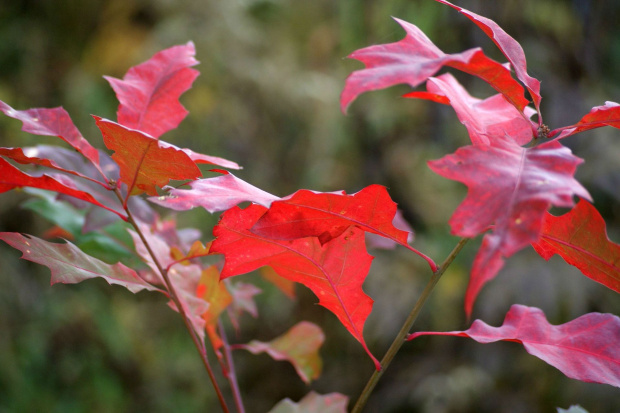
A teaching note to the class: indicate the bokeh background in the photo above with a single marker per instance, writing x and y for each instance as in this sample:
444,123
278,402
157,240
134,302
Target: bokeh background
272,71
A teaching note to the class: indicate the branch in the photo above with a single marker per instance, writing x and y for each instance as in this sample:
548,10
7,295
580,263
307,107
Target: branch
404,331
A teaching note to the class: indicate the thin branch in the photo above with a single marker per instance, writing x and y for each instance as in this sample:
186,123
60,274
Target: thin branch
230,369
404,331
177,302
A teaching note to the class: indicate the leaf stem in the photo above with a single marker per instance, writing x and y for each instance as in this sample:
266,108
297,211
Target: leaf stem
399,340
177,302
230,369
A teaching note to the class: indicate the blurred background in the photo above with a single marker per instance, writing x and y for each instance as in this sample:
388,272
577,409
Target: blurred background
267,98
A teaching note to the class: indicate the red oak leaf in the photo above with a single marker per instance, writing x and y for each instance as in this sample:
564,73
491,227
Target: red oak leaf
509,47
327,216
53,122
585,348
11,177
27,156
215,194
334,271
144,161
509,188
299,345
414,59
607,115
149,93
580,237
485,120
69,265
200,158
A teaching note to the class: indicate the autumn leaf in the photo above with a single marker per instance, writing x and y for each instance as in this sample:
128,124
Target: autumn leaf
11,178
606,115
314,403
414,59
214,194
145,162
334,270
485,120
213,292
28,156
149,92
509,189
509,47
243,301
53,122
328,215
580,237
299,346
584,349
69,265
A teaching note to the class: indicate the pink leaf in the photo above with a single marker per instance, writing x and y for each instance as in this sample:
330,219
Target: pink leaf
69,265
334,271
299,345
509,188
214,194
509,47
314,403
607,115
485,120
149,92
53,122
580,237
414,59
585,349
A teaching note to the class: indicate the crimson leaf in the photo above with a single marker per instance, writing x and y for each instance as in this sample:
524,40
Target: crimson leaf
509,188
53,122
334,271
414,59
11,177
580,237
509,47
485,120
327,216
585,348
606,115
149,92
69,265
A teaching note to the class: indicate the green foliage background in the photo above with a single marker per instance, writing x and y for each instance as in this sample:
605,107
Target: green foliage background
272,71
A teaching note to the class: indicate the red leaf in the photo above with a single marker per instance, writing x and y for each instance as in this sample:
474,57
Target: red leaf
11,177
485,120
580,237
149,93
243,301
585,349
144,161
299,345
414,59
214,194
509,47
53,122
69,265
334,271
607,115
509,188
27,156
310,214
